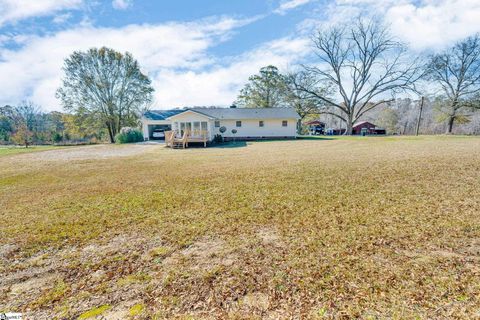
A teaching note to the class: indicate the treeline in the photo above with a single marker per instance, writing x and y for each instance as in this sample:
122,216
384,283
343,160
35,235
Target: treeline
27,124
403,116
359,71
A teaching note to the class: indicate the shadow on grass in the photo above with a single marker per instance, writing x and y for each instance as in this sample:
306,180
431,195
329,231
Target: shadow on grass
316,138
229,144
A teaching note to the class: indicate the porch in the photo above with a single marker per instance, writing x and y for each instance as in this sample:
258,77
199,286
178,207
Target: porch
177,139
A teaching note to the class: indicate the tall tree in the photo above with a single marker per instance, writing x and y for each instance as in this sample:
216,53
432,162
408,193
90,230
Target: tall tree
28,114
107,84
263,90
304,103
365,65
457,71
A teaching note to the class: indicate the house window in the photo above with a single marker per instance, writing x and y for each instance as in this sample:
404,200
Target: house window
239,124
284,123
261,124
217,124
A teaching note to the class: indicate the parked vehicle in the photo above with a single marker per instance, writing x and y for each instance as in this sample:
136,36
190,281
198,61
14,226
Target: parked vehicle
158,134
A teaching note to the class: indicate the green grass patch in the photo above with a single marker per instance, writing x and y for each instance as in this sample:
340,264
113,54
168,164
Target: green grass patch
95,312
7,151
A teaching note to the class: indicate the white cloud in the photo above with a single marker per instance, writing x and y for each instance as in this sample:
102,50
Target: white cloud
221,84
424,24
121,4
62,18
14,10
287,5
435,23
175,55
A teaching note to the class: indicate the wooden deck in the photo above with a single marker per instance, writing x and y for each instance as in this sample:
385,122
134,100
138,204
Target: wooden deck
175,140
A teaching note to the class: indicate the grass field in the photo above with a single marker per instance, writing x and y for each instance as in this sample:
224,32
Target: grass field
345,228
8,150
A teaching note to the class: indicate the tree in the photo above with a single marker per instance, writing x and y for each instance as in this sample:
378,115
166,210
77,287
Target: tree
388,119
23,135
108,85
7,123
457,72
28,114
304,103
264,90
364,64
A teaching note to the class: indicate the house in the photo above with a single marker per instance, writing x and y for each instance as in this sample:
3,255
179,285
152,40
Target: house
239,123
366,128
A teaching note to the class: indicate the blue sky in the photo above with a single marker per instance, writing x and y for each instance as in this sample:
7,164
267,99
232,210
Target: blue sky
199,52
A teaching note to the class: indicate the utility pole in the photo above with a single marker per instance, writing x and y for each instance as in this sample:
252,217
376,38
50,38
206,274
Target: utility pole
419,116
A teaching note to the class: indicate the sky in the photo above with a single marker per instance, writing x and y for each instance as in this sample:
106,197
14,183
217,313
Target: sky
199,52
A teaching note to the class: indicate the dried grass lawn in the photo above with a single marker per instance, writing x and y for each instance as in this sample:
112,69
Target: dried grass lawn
347,228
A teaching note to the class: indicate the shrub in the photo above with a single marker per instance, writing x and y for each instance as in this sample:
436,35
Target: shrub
57,137
218,138
129,135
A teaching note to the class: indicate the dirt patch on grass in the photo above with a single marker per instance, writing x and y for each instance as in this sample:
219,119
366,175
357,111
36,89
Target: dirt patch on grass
33,284
204,254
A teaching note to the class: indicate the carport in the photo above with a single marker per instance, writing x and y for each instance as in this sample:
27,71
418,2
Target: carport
156,119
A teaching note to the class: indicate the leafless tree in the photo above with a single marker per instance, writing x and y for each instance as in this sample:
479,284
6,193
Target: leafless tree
457,71
364,64
297,97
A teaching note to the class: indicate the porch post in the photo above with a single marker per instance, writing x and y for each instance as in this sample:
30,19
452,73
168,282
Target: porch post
210,130
146,135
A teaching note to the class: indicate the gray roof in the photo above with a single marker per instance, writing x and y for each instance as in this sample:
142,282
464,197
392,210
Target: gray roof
248,113
228,113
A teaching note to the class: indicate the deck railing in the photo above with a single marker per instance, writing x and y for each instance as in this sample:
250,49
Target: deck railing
183,137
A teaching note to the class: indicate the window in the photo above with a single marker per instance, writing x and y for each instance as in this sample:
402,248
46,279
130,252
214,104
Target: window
239,124
205,125
284,123
217,124
261,124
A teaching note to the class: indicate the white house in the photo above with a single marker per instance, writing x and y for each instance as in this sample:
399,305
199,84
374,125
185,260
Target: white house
249,123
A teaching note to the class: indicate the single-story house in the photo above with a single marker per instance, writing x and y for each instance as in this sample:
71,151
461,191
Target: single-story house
365,127
247,123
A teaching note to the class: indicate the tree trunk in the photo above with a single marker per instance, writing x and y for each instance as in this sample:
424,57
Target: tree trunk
419,117
110,132
451,119
349,128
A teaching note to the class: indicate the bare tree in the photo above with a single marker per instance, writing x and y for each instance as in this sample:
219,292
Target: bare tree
364,64
457,71
296,95
108,85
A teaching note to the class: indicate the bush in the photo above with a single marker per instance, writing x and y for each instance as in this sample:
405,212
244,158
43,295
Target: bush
129,135
57,137
218,138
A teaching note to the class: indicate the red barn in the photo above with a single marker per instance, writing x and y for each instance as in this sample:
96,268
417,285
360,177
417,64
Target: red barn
367,128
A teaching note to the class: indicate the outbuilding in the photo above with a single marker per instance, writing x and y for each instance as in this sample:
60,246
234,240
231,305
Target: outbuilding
367,128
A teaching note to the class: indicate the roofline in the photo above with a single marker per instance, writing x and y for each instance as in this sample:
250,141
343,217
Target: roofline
194,111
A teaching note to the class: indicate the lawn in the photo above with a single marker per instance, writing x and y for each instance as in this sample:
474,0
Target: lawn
343,228
9,150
